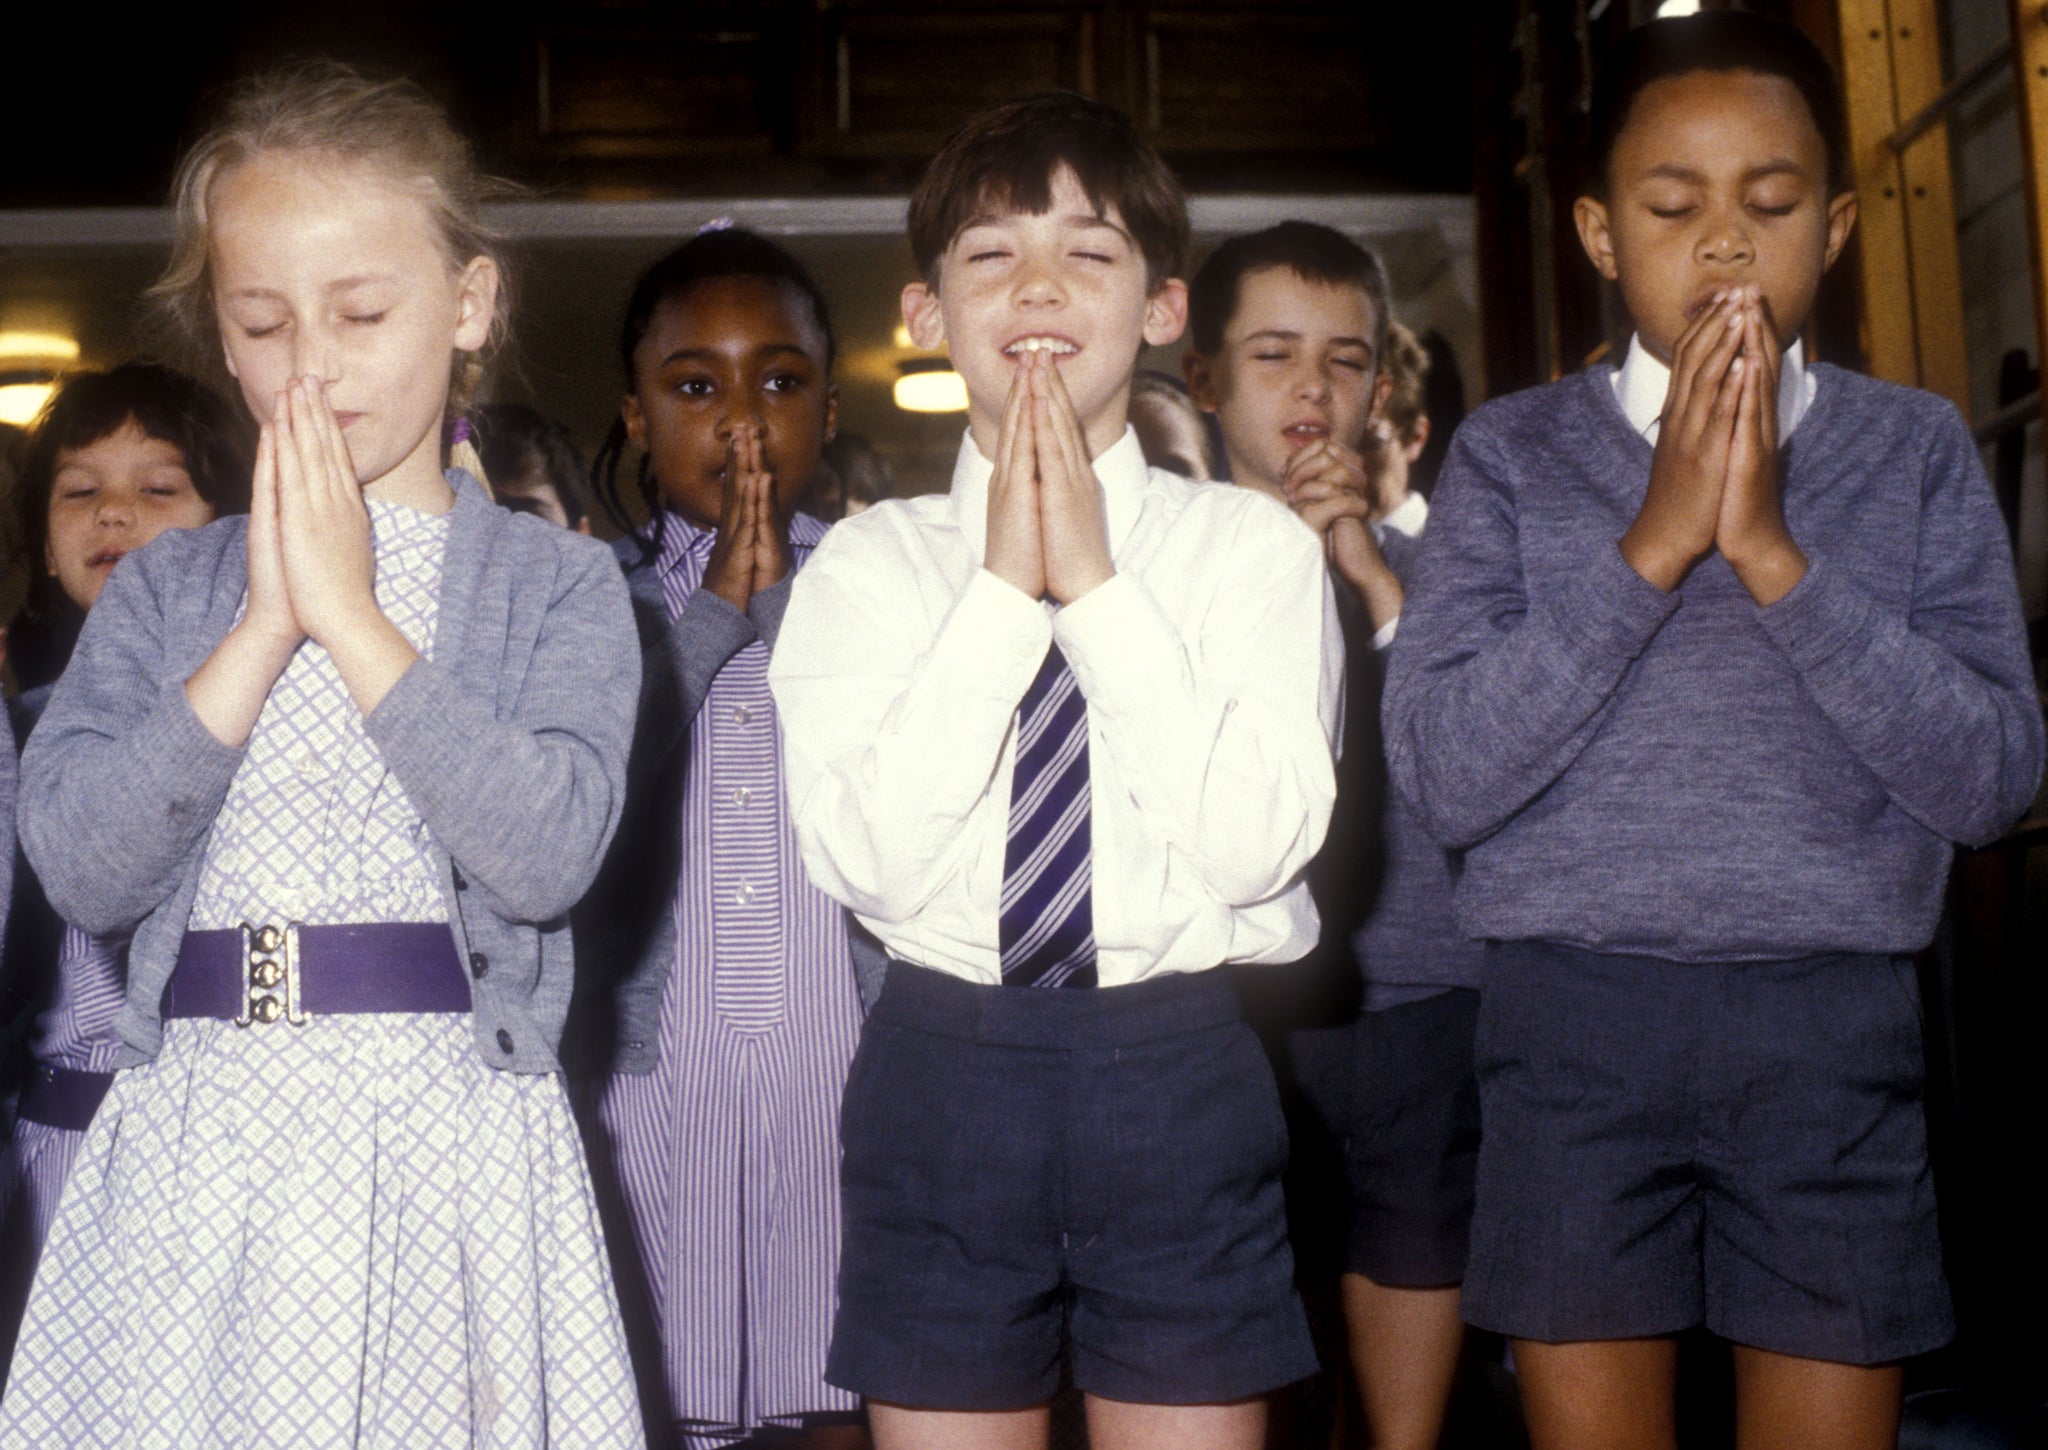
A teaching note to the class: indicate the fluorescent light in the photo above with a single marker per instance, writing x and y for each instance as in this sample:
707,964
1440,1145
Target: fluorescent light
901,337
20,402
38,346
1671,8
932,390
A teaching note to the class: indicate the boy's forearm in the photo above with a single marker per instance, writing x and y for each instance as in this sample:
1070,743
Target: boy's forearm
891,741
1225,742
1956,739
1480,720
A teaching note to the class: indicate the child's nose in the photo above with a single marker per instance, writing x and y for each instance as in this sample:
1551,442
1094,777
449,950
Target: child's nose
1038,283
313,354
1727,240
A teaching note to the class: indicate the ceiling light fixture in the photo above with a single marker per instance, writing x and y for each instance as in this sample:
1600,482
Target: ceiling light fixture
22,345
929,385
22,396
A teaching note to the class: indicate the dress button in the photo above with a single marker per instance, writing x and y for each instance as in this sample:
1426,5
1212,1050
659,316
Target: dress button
479,964
741,714
743,796
504,1040
461,881
745,894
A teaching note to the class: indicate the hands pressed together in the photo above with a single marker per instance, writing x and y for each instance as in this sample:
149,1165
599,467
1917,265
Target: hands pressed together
311,575
1714,480
1047,533
310,570
1329,490
750,553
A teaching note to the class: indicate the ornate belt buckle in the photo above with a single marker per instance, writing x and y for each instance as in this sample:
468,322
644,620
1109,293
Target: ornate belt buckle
270,975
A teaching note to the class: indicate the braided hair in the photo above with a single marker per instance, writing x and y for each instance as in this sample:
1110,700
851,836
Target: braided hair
712,255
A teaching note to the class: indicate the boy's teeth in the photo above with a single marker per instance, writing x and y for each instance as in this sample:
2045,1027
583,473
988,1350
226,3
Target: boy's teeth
1041,344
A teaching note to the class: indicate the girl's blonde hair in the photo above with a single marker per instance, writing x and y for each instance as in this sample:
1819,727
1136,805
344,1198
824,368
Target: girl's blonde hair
324,108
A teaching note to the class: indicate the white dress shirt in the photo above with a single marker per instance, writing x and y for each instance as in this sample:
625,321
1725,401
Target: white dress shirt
1212,664
1642,382
1408,518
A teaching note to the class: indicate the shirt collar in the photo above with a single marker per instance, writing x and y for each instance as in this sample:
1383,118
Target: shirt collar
1642,382
681,540
1120,469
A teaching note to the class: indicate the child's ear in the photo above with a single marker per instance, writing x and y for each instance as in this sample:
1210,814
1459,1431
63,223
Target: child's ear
1382,389
1200,373
1841,222
1417,439
1166,312
476,302
831,412
635,421
1590,214
921,315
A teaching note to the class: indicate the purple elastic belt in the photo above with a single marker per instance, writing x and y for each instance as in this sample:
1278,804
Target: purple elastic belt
266,973
62,1097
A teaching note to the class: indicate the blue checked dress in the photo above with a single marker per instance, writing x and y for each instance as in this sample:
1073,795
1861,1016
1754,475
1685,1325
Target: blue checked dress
351,1233
728,1152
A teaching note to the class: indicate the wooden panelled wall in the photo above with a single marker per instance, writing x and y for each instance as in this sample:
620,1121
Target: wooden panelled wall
1312,88
650,98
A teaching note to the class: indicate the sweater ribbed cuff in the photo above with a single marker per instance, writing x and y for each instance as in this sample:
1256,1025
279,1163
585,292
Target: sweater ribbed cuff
1612,610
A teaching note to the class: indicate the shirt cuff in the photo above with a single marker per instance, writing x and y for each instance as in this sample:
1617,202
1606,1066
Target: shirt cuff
994,632
1119,644
1384,635
1611,609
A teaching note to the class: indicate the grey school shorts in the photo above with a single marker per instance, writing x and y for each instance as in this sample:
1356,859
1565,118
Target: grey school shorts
1027,1164
1736,1145
1393,1094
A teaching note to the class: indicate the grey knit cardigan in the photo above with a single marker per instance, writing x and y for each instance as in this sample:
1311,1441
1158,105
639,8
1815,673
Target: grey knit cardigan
510,740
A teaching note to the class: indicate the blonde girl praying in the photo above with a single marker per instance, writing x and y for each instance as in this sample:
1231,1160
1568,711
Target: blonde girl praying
342,768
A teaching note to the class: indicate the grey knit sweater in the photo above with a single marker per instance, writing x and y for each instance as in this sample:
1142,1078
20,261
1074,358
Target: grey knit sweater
1689,775
510,741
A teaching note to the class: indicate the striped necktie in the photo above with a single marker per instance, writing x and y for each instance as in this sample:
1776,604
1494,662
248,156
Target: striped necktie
1047,930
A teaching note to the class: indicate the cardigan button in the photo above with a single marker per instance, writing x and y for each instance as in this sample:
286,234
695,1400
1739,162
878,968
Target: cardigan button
504,1040
479,964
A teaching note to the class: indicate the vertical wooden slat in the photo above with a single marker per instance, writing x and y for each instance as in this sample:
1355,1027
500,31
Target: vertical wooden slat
1883,250
2030,64
1929,194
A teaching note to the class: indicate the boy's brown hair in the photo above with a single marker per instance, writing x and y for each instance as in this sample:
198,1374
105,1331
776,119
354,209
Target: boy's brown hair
1004,161
1407,363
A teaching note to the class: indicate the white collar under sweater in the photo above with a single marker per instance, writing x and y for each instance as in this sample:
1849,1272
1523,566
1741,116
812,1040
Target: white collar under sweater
1641,383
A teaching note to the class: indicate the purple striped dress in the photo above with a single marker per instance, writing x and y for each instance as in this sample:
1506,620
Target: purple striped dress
728,1152
75,1031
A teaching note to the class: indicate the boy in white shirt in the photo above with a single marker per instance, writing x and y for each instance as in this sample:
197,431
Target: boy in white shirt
1062,740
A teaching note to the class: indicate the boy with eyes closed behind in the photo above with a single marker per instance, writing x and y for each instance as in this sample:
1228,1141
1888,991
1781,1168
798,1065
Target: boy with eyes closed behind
1709,662
1062,739
1294,353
